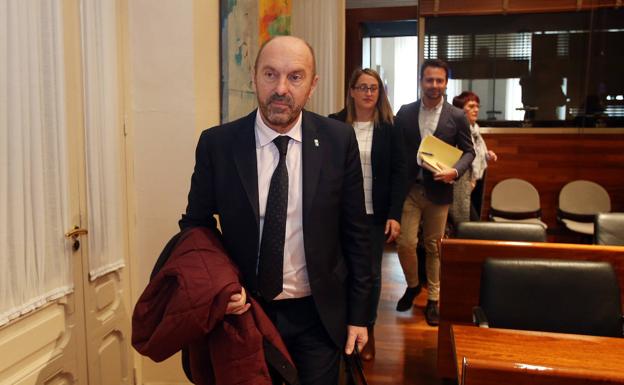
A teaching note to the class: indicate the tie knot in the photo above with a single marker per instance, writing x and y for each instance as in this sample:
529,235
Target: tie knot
281,142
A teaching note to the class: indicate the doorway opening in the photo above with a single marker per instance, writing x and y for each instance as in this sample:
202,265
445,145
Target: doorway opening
391,49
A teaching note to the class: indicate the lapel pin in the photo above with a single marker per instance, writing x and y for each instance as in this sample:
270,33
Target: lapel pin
316,142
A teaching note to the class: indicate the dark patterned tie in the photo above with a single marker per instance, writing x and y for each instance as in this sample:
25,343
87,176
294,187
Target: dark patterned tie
271,264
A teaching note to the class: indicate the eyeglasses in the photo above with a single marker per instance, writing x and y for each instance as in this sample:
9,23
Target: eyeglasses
363,88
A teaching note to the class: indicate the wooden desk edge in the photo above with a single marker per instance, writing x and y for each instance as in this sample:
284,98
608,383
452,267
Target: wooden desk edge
521,369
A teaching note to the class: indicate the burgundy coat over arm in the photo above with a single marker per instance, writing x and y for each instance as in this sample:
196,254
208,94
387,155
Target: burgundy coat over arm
184,306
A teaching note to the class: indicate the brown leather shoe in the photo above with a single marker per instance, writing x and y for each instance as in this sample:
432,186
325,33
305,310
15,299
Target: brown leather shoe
368,353
432,313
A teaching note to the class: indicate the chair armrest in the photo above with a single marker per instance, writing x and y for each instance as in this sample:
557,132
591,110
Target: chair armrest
479,318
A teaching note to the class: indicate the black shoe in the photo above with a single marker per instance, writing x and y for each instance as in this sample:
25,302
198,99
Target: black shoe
432,313
405,303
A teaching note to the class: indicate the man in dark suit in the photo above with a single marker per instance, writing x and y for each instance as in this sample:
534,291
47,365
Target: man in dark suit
287,187
430,194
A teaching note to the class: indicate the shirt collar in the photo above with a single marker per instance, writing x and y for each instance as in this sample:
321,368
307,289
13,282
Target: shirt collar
265,134
437,108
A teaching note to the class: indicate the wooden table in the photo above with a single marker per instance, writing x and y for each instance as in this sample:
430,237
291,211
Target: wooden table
502,356
460,276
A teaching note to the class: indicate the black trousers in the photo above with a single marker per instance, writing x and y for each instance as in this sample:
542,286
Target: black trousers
377,243
316,356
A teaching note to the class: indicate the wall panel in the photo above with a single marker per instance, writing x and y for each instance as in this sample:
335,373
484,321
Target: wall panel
460,7
483,7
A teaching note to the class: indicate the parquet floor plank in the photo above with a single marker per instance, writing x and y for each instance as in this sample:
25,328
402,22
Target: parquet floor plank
406,345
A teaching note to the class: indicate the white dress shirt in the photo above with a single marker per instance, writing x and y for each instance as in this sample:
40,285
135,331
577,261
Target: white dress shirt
296,282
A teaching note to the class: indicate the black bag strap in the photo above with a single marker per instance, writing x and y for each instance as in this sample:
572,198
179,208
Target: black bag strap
166,253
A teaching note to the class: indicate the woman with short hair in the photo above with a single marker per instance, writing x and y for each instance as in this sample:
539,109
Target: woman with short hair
469,189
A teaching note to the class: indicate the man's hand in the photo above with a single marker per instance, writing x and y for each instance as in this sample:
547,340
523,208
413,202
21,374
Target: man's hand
446,176
238,304
355,334
392,231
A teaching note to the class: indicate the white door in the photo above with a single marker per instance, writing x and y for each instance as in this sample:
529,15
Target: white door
64,301
106,275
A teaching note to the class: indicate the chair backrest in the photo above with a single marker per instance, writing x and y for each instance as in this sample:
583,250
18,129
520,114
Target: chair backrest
609,229
501,231
583,197
565,296
515,195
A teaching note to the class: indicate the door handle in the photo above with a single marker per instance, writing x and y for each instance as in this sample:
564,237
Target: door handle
74,234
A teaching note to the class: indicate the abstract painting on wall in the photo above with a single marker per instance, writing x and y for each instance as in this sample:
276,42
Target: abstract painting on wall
245,25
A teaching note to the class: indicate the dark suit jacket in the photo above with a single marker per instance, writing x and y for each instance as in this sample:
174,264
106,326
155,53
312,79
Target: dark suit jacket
389,170
225,182
452,128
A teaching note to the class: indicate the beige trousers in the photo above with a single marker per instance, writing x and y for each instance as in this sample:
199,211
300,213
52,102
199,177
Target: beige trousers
416,208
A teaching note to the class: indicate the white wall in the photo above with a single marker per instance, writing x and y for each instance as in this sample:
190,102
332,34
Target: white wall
163,115
172,91
322,24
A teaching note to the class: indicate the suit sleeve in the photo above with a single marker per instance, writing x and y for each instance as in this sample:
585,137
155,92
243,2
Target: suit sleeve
398,162
404,123
354,237
200,207
464,143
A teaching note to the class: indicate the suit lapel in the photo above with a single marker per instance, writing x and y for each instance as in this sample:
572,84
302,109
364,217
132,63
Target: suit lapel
378,141
311,158
417,122
444,116
246,162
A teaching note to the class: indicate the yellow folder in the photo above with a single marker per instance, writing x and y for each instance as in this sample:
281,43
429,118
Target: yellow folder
437,155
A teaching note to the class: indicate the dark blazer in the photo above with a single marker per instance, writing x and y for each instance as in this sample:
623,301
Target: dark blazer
452,128
389,168
225,182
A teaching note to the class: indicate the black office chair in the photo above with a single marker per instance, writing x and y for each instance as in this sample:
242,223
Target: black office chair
501,231
578,297
609,229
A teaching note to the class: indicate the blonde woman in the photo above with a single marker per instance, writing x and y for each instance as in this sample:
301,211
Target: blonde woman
382,155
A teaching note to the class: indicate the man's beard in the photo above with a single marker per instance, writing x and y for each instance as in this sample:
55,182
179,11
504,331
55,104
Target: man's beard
280,116
434,93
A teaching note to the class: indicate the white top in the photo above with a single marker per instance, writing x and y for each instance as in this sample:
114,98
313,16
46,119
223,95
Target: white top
428,119
479,164
296,282
364,135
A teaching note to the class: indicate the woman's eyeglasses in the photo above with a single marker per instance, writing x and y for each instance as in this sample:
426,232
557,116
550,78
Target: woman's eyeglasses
363,88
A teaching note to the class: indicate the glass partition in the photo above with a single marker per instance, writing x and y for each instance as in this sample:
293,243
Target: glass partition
546,70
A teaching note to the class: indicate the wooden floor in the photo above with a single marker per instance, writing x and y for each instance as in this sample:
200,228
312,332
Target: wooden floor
406,345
